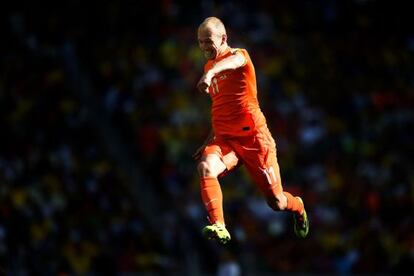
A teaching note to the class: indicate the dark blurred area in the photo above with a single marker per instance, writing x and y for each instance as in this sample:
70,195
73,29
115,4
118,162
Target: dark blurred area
99,118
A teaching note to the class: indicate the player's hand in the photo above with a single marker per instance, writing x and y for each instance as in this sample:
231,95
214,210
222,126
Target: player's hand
204,82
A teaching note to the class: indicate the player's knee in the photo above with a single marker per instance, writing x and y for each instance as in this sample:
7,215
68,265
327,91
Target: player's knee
210,166
278,202
204,169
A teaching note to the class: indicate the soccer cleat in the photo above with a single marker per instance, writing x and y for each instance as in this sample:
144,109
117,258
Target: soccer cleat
217,231
301,225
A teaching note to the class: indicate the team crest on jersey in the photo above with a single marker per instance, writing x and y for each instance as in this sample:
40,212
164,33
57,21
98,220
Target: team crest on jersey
224,76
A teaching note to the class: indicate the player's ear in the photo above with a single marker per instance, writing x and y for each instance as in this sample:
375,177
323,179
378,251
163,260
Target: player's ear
223,39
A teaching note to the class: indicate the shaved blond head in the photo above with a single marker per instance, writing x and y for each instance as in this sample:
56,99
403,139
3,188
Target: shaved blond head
212,37
213,24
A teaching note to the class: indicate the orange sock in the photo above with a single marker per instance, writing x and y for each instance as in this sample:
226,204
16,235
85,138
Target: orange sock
293,204
212,198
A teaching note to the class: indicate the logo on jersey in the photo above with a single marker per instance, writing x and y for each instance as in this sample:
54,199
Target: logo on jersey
224,76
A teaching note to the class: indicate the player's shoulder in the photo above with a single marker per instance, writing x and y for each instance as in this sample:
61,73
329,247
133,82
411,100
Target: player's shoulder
238,50
243,52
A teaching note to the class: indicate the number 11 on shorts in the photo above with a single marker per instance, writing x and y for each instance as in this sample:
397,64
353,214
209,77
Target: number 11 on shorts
270,175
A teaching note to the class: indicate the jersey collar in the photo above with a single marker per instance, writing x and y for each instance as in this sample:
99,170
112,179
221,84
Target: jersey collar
228,49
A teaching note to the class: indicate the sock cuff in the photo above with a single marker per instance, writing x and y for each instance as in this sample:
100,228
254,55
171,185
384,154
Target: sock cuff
289,200
293,204
208,178
209,182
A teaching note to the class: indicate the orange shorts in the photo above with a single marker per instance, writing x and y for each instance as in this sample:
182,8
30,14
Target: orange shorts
256,152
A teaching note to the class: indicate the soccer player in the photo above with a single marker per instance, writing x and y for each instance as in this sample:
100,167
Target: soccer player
239,133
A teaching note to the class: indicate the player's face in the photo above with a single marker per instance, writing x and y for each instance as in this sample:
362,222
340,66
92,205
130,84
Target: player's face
209,42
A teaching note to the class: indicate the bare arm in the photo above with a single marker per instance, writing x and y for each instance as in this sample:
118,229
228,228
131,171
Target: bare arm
229,63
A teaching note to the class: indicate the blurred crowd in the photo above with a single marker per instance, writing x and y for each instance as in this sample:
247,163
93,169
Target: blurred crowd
335,81
65,205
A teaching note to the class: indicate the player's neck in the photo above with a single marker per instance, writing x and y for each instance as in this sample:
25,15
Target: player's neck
223,50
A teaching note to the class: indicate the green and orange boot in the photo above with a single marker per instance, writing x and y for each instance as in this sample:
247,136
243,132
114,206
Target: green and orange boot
301,225
218,232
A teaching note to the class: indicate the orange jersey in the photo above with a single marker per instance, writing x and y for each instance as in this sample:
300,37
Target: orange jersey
235,108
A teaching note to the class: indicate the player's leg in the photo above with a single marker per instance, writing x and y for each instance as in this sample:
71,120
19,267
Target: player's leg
269,181
209,167
264,169
217,158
